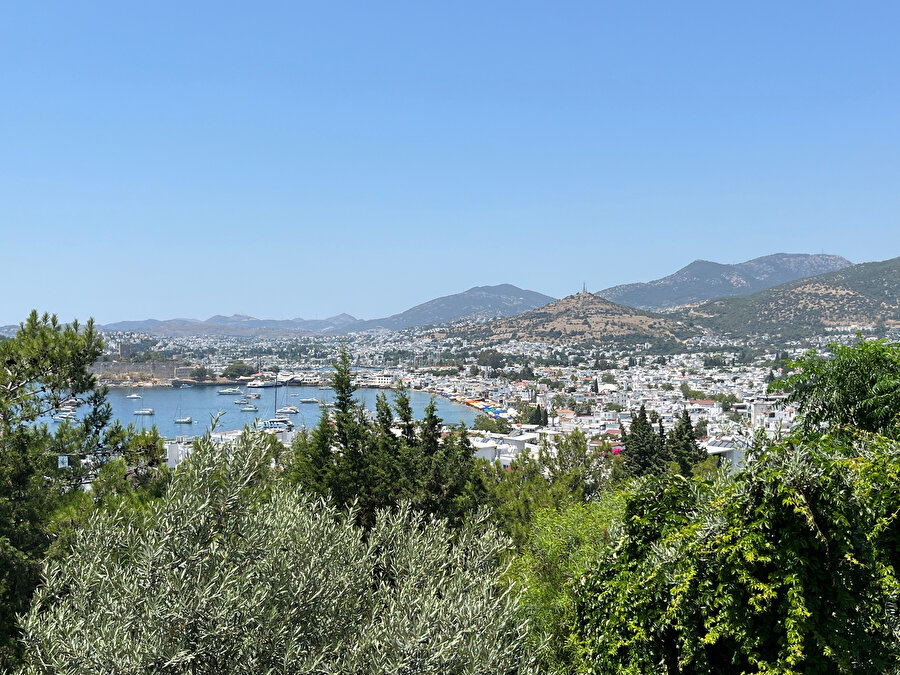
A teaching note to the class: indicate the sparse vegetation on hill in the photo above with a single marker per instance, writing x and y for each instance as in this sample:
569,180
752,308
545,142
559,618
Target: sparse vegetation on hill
577,318
865,294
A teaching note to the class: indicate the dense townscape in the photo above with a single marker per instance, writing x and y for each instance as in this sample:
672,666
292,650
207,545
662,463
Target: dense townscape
722,382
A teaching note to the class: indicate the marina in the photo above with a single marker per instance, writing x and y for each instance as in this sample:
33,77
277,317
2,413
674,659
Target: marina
178,412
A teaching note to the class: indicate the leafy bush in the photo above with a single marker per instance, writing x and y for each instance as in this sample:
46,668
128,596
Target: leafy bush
788,567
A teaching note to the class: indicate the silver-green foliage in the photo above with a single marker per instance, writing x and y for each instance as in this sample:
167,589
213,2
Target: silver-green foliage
235,571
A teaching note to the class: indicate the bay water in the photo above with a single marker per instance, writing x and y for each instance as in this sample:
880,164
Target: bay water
201,403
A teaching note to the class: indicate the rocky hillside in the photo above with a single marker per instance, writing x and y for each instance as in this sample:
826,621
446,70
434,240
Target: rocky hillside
704,280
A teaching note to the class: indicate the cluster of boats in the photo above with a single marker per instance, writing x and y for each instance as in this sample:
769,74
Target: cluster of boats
141,411
66,410
246,402
281,421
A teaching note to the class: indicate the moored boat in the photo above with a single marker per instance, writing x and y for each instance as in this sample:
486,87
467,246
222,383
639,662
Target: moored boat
277,423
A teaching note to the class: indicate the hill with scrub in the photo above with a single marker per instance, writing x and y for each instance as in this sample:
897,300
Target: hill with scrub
867,294
582,317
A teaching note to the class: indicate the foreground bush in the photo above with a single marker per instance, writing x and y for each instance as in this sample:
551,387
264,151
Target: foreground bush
235,571
792,566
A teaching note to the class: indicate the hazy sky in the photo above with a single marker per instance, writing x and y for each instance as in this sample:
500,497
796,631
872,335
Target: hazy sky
303,159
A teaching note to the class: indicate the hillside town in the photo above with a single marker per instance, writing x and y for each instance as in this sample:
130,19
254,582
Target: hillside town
722,383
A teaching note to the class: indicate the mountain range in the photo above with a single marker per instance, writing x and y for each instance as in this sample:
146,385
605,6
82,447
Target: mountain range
704,280
479,303
858,295
864,294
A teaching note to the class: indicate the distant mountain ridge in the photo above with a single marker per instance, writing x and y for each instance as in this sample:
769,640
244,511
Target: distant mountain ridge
236,325
864,294
477,303
704,280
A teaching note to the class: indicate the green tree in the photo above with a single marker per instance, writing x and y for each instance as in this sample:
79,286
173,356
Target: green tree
313,465
576,467
562,546
45,364
515,494
859,387
682,447
645,451
490,358
497,425
237,369
235,571
200,374
700,431
403,407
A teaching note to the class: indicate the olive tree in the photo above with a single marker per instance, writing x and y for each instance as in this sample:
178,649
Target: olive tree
235,570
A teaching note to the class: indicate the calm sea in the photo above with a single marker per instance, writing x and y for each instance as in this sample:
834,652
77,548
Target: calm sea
200,403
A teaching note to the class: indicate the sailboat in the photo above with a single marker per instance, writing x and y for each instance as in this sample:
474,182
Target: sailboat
182,420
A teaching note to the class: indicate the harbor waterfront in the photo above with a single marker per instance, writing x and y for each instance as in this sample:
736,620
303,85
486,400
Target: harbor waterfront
201,403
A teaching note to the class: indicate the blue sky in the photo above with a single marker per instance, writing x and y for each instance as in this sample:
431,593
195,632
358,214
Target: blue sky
304,159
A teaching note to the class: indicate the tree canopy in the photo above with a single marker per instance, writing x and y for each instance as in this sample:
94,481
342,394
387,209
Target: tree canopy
234,570
858,387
